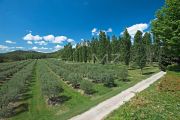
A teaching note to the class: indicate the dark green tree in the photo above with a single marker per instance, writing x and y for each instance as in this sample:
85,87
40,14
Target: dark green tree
147,41
94,48
140,51
84,51
166,29
102,48
126,46
87,86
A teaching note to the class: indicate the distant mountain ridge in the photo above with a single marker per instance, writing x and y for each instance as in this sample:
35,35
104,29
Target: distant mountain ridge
24,55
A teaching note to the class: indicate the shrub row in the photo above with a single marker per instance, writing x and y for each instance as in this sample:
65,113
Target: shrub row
9,72
49,82
13,89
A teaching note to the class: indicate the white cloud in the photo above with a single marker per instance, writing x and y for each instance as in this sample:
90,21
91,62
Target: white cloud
34,48
29,42
41,42
42,49
74,46
58,47
70,40
59,39
109,30
95,31
2,47
31,37
49,38
133,29
19,47
10,42
39,48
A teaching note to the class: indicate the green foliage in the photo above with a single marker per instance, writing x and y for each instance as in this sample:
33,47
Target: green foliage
127,47
166,29
140,51
13,89
50,85
23,55
87,86
104,47
67,52
148,47
163,61
123,74
108,80
74,79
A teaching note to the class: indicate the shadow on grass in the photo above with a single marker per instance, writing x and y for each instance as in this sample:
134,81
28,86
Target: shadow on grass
58,100
15,110
148,73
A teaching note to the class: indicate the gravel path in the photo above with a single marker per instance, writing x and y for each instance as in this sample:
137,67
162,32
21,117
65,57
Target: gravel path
104,108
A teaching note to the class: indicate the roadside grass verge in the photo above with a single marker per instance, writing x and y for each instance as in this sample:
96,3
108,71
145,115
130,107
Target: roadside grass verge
159,102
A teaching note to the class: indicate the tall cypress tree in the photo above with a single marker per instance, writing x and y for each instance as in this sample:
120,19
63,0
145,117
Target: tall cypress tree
102,51
140,52
115,48
147,41
108,49
84,51
94,48
77,52
126,46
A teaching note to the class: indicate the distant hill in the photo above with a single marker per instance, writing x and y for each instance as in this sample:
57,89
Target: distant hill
24,55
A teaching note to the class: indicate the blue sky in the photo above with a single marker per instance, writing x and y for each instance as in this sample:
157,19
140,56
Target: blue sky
46,25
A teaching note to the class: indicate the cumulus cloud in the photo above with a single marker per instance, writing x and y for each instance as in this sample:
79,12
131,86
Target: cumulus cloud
32,37
133,29
95,31
70,40
41,42
59,39
109,30
3,47
40,48
19,47
45,40
49,38
29,42
10,42
58,47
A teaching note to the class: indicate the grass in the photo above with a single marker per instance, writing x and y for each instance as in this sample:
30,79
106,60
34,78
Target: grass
159,102
77,102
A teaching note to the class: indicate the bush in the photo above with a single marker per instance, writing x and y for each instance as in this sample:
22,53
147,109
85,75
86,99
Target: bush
174,67
87,86
108,80
74,79
123,74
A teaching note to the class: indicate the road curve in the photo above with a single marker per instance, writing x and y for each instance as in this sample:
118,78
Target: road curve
104,108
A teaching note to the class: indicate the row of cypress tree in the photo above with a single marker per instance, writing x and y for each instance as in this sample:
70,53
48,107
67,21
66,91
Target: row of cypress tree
104,49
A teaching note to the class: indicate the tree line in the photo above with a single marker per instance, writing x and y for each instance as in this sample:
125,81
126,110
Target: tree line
105,50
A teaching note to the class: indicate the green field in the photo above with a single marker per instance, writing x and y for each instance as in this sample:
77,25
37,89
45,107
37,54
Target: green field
73,100
159,102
